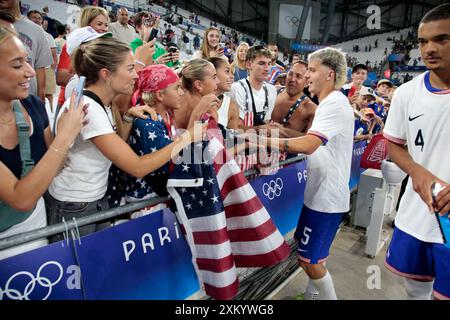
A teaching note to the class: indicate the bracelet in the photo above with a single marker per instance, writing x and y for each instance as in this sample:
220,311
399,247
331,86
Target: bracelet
127,118
286,145
58,151
140,62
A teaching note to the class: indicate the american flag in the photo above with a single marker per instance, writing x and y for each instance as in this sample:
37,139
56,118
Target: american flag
226,224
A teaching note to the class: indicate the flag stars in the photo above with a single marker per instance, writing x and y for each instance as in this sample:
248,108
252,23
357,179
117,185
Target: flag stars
205,192
185,167
189,206
200,203
210,181
193,196
152,135
138,132
215,199
183,190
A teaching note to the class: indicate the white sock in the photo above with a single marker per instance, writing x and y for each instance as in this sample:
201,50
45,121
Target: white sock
311,292
418,290
325,287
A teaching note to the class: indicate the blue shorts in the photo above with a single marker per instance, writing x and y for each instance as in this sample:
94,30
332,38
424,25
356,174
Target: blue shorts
315,233
419,260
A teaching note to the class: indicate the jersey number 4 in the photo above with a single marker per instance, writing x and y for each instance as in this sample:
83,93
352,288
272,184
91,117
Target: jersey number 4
419,140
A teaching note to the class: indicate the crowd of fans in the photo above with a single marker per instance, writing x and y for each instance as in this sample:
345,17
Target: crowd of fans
140,96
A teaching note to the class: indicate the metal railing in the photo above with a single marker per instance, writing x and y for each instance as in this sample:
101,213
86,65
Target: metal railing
109,214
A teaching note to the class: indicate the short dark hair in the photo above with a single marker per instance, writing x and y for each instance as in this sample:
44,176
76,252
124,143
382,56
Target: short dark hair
441,12
61,29
34,11
359,66
7,16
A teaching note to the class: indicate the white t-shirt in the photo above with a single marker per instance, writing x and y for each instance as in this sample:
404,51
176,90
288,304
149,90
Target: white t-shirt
223,110
327,188
243,98
421,118
84,176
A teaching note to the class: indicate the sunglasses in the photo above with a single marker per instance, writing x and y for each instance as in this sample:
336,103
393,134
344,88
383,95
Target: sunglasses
259,47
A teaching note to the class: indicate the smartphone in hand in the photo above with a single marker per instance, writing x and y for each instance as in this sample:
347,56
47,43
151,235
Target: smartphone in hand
79,89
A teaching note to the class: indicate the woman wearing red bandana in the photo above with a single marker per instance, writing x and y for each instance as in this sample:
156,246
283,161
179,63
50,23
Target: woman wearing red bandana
159,87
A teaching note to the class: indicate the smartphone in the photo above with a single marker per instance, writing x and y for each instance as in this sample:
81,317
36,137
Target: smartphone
80,88
153,34
172,49
222,45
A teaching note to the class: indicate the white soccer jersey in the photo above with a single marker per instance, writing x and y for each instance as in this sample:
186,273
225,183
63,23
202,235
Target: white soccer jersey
327,188
420,117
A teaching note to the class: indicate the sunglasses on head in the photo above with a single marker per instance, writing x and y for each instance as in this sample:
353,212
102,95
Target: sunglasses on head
260,47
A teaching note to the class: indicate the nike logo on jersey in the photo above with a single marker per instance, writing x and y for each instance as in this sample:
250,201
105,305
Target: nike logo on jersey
414,118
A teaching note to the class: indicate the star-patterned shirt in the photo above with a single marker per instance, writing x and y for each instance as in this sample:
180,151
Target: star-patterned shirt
147,136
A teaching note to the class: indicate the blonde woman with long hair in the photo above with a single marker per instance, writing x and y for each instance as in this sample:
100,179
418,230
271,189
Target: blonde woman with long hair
239,68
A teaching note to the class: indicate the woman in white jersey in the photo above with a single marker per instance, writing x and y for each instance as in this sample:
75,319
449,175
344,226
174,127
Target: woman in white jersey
80,187
228,111
419,117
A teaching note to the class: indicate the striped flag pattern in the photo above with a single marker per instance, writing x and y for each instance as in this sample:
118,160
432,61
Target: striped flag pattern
226,224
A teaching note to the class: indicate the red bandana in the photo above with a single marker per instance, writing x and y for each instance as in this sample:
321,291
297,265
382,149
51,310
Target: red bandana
153,78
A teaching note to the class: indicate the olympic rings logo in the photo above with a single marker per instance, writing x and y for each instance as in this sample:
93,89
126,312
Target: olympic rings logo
44,282
273,188
292,20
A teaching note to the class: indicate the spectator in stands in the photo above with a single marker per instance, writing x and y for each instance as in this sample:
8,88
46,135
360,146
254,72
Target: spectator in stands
239,67
184,41
121,29
275,69
95,17
199,79
60,40
108,65
293,109
33,37
328,144
210,45
254,97
359,76
274,48
196,41
22,186
365,118
295,57
228,113
383,87
145,24
50,80
169,34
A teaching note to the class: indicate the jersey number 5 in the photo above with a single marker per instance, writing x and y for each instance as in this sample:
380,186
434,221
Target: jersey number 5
419,140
